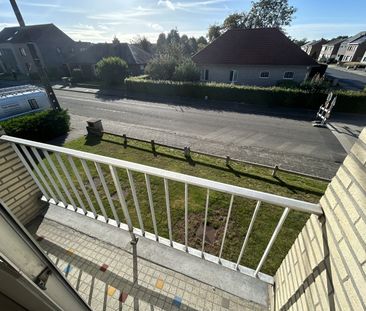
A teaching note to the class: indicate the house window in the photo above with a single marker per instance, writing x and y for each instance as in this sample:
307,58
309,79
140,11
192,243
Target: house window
364,59
58,50
33,104
289,75
233,76
204,75
28,67
22,52
264,74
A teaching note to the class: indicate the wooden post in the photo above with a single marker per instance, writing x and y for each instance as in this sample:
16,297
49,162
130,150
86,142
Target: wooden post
153,148
187,152
275,169
227,160
125,141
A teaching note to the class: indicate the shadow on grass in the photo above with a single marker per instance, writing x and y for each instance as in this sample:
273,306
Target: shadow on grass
94,140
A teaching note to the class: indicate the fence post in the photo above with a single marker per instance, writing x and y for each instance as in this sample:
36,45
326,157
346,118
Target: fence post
187,152
275,169
153,147
227,161
124,141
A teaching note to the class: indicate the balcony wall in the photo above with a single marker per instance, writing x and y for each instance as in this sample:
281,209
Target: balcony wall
17,189
326,267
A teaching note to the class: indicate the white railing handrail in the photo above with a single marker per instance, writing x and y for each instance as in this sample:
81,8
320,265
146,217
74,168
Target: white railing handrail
179,177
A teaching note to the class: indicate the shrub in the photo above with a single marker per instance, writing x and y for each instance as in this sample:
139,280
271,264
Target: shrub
317,84
161,67
287,84
186,71
348,101
40,126
111,70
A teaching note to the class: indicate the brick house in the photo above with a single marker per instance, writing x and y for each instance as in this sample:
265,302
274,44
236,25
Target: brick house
352,49
313,48
330,49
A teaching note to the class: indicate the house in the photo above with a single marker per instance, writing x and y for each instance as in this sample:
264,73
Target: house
347,51
52,45
355,49
330,49
260,56
135,57
313,48
363,60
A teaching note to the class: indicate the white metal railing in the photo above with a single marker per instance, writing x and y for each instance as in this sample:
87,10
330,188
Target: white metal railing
55,190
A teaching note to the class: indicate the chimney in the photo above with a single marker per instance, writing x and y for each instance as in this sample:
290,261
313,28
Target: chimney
17,13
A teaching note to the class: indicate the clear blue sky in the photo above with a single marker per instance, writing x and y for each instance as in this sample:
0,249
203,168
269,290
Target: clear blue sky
100,20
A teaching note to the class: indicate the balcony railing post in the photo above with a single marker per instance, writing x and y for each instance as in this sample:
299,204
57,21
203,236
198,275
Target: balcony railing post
226,225
272,240
186,215
248,233
167,202
151,203
205,221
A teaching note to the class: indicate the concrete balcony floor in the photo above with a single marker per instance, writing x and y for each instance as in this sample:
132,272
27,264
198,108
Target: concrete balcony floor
111,278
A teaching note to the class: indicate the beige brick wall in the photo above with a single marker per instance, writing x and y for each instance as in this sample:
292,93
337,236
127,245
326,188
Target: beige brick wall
326,267
17,188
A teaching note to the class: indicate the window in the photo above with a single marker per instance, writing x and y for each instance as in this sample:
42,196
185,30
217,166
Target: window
289,75
58,50
33,104
233,76
264,74
364,59
22,52
204,75
28,67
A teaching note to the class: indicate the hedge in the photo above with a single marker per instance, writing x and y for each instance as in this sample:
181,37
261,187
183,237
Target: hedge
348,101
40,126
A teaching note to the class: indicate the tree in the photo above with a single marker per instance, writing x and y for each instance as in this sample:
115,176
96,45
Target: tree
214,31
300,42
269,13
161,43
111,70
202,40
143,43
173,36
115,40
187,70
161,67
233,21
192,43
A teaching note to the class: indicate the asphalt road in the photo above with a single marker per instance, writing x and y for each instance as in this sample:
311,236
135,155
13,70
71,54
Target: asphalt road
348,80
288,140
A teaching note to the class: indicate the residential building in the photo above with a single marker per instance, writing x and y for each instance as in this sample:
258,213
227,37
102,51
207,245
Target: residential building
355,49
51,44
262,56
135,57
347,53
313,48
330,49
60,196
363,60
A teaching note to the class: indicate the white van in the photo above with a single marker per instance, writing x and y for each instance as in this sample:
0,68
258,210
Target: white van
19,100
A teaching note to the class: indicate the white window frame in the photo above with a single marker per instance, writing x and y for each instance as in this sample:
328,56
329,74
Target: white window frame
260,74
235,76
203,74
22,52
284,75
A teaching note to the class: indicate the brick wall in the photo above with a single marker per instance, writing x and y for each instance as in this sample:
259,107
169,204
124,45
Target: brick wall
326,267
17,189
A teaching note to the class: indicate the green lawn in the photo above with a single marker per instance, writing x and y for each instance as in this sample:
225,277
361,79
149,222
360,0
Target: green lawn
215,169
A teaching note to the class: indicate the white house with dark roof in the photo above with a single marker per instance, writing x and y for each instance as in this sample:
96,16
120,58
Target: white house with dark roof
262,56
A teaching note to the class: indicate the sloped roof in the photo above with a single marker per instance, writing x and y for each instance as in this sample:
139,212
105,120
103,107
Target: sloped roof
335,41
128,52
314,42
30,33
359,40
261,46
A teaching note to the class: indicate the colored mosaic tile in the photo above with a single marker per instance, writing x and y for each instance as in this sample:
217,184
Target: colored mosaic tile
159,283
225,303
111,290
122,298
177,301
68,268
70,251
103,267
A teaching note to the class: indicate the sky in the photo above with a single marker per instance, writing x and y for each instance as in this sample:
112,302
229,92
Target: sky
100,21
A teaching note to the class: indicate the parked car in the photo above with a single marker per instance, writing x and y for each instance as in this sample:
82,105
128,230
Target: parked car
21,100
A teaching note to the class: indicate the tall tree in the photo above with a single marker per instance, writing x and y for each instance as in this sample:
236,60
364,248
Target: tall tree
214,31
269,13
202,40
115,40
233,21
161,43
300,42
143,43
173,36
192,43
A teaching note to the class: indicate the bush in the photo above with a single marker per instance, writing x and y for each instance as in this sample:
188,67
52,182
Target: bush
40,126
348,101
186,71
77,75
161,67
111,70
288,84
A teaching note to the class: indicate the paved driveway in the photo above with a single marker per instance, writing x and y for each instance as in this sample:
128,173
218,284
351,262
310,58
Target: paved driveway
347,79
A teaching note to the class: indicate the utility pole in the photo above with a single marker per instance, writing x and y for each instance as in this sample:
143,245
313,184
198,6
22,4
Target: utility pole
37,61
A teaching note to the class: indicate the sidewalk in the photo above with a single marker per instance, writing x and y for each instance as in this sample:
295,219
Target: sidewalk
360,72
346,134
